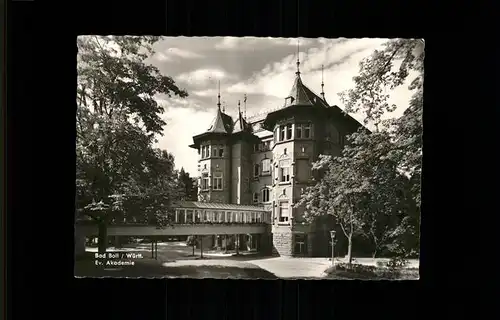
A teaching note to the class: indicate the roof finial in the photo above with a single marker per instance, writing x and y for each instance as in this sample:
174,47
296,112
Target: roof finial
224,106
322,84
245,106
239,109
298,60
218,96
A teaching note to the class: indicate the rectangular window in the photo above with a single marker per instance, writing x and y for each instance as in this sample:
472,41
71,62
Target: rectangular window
256,197
255,170
282,133
298,131
218,181
202,152
265,195
283,212
300,246
289,131
307,131
285,174
221,151
214,151
266,165
204,181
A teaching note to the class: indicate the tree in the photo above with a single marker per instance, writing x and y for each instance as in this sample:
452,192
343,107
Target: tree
117,120
340,192
188,186
192,241
373,187
369,96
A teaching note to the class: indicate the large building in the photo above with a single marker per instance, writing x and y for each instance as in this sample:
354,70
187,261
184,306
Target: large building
267,160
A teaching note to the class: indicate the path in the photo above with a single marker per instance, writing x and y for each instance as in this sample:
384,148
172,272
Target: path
284,267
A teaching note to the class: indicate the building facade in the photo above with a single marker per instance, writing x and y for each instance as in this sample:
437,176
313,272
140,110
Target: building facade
267,160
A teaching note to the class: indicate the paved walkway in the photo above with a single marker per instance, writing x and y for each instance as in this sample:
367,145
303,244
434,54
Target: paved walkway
284,267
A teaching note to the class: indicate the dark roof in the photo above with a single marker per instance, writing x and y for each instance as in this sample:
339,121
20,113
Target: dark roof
222,123
240,124
217,206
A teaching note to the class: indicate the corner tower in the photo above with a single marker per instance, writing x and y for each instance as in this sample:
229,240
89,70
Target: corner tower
214,164
305,127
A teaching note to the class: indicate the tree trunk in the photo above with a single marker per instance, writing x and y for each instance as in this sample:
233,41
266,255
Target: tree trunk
349,251
102,237
374,254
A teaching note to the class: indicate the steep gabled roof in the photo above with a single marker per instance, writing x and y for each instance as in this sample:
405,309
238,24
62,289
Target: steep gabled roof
240,125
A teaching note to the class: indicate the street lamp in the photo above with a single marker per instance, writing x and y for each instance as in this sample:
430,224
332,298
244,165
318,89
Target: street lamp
332,235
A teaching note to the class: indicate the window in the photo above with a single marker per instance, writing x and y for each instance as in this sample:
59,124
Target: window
283,212
284,151
289,131
285,174
300,246
303,149
267,145
255,197
204,181
255,170
282,133
298,131
307,131
202,152
218,181
221,151
266,166
265,195
214,151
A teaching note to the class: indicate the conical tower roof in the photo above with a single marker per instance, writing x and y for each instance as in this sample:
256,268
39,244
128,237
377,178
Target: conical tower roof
299,93
222,123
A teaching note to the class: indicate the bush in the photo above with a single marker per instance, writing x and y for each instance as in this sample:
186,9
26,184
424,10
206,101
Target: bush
357,269
395,264
192,241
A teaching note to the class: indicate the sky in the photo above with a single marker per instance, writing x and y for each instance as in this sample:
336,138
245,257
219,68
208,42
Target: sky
262,68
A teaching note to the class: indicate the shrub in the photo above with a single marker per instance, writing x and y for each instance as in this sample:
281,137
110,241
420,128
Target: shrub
396,264
192,241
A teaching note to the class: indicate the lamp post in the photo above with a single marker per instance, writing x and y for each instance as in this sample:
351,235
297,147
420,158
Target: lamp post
332,236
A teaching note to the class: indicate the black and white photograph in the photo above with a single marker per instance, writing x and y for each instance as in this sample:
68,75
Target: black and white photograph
248,158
